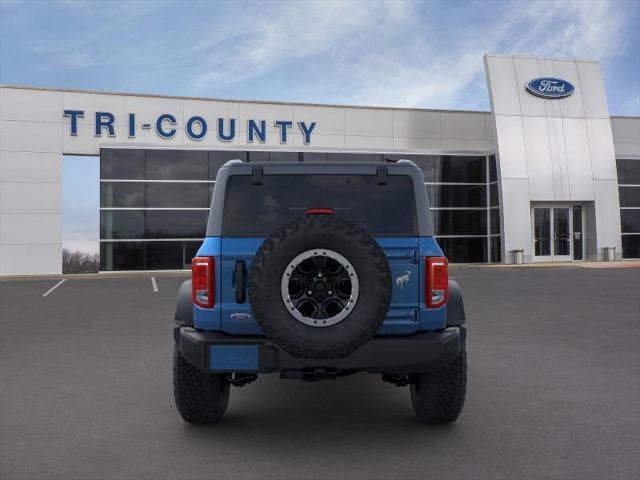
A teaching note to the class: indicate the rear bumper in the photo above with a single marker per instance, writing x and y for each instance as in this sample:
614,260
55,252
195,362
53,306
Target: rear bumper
218,352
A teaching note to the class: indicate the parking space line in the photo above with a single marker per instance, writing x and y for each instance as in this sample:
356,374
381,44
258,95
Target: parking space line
54,287
154,284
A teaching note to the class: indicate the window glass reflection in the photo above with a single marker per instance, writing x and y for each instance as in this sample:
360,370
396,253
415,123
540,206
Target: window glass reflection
631,246
176,223
122,164
464,250
628,171
457,195
122,256
177,195
630,221
177,165
164,255
460,222
494,218
629,196
121,224
122,195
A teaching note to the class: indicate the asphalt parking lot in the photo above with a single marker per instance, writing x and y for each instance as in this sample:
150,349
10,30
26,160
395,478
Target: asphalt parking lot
554,390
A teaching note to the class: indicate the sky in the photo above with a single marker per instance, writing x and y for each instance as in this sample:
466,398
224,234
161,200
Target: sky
380,53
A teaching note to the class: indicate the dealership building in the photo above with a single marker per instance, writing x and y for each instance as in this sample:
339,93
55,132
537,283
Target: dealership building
546,175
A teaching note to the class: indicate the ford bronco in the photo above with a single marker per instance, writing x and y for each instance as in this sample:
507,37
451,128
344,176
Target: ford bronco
318,271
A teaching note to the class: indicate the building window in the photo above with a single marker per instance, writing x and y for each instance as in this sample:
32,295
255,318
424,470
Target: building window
154,203
629,192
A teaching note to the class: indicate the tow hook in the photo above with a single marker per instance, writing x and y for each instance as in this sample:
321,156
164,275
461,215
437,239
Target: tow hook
397,380
241,379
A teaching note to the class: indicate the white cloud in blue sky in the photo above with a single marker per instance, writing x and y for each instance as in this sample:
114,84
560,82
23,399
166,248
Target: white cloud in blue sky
393,53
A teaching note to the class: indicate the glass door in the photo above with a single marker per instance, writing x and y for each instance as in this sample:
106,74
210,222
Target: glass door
557,233
561,234
542,233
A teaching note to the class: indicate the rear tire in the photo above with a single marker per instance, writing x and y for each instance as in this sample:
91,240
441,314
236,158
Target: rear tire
438,397
200,397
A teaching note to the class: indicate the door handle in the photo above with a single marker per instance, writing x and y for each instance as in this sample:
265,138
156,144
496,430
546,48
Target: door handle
239,281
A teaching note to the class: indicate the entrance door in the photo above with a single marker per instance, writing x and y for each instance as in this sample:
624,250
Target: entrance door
542,234
557,233
561,234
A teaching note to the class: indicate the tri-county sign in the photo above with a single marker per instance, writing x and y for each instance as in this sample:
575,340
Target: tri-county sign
550,87
196,127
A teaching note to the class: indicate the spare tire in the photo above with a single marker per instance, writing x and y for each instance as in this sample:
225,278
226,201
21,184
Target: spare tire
320,287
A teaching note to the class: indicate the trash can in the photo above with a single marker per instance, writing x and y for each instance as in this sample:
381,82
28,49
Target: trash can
518,257
610,253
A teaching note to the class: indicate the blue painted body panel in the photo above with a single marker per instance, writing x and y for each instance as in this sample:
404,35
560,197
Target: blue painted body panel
234,357
406,315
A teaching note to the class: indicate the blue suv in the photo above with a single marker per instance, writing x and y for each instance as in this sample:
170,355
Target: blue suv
316,271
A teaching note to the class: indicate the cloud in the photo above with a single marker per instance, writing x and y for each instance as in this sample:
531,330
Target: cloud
284,36
392,53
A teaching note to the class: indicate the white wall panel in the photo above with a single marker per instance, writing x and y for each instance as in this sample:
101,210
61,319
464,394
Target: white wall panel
91,103
629,150
418,144
571,106
148,109
539,165
517,218
30,136
465,126
320,141
592,84
211,110
559,158
19,228
416,124
369,122
525,70
607,208
368,143
601,149
30,105
329,120
513,163
30,167
268,112
31,259
626,130
461,145
86,143
503,86
30,197
578,159
554,157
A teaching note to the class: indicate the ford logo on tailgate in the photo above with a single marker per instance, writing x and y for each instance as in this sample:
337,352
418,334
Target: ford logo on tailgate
550,87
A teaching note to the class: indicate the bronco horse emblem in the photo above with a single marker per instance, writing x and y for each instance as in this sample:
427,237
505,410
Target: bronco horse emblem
402,280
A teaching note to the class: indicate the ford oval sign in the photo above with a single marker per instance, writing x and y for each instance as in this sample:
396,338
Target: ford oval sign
550,87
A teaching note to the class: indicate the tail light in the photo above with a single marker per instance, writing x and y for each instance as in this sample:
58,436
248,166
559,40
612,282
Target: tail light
320,211
203,281
437,281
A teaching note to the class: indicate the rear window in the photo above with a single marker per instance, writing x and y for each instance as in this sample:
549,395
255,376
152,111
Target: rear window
257,210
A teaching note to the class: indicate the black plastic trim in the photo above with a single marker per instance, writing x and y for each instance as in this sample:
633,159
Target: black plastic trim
421,352
184,305
455,305
239,280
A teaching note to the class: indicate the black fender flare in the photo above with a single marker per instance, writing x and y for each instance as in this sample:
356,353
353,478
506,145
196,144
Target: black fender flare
455,306
184,305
